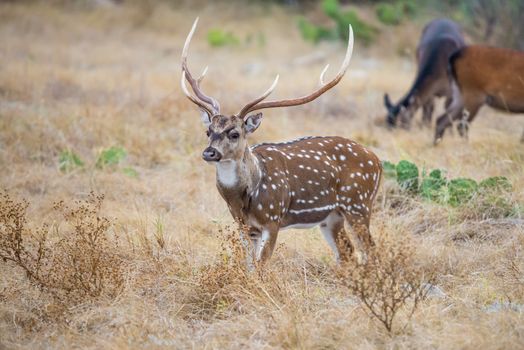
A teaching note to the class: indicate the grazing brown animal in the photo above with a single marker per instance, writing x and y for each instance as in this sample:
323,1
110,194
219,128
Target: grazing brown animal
440,38
326,181
483,75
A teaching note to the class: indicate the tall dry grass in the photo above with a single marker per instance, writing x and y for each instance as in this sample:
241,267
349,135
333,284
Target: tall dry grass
86,80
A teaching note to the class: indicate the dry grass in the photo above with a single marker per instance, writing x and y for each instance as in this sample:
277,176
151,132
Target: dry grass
84,81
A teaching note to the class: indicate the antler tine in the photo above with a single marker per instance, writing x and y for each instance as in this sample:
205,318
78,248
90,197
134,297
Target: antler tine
322,74
202,76
246,108
195,83
308,98
192,98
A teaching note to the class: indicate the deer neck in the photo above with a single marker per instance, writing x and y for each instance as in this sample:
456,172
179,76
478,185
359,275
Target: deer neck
237,179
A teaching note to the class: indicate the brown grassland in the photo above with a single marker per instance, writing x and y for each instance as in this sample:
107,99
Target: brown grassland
156,262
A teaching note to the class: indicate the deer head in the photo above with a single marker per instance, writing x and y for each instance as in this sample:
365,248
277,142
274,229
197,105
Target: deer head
227,134
404,111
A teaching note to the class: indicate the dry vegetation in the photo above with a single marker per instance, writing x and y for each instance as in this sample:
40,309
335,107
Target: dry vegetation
154,263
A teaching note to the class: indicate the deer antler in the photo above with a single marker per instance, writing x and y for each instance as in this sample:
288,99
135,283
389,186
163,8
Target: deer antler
256,103
202,100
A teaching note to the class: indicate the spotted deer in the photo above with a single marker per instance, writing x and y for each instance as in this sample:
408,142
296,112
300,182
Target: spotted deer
483,75
326,181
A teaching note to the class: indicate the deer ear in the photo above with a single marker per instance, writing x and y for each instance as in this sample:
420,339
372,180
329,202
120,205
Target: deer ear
252,122
206,118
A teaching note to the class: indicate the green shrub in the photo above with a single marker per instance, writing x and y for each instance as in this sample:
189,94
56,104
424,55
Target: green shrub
409,7
364,32
461,190
494,198
217,37
111,157
68,161
407,176
313,33
389,14
433,185
331,8
497,183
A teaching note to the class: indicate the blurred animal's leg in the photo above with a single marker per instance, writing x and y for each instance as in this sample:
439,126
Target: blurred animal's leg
444,122
427,112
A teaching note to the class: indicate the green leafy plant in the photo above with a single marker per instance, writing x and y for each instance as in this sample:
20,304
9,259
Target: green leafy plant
331,8
68,161
111,157
217,38
497,183
432,186
313,33
407,176
490,198
390,14
461,190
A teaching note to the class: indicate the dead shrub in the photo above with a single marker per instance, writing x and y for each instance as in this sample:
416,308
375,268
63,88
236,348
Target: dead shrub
390,280
512,273
74,263
229,285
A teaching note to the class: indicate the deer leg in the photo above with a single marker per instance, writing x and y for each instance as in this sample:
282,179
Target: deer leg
444,122
467,117
358,225
333,230
264,244
427,112
522,137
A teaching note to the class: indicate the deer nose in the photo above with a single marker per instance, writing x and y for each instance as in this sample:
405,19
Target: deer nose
211,155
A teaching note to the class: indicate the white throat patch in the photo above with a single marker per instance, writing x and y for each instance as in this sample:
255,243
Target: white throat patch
227,173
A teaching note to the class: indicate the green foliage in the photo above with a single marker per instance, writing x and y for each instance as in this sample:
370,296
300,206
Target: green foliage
494,197
393,13
363,31
68,161
407,176
461,190
389,14
390,171
217,38
496,183
313,33
331,8
433,185
490,198
111,157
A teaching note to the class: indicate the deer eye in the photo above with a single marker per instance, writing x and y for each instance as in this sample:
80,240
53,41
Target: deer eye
234,135
207,133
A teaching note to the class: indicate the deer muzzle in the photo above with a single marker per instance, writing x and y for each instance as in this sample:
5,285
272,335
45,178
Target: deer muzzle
210,154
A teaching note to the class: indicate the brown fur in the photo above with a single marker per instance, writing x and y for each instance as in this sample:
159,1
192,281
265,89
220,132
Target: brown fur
484,75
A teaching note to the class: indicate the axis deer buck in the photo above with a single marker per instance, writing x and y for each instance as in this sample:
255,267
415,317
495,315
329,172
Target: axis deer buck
440,38
483,75
326,181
